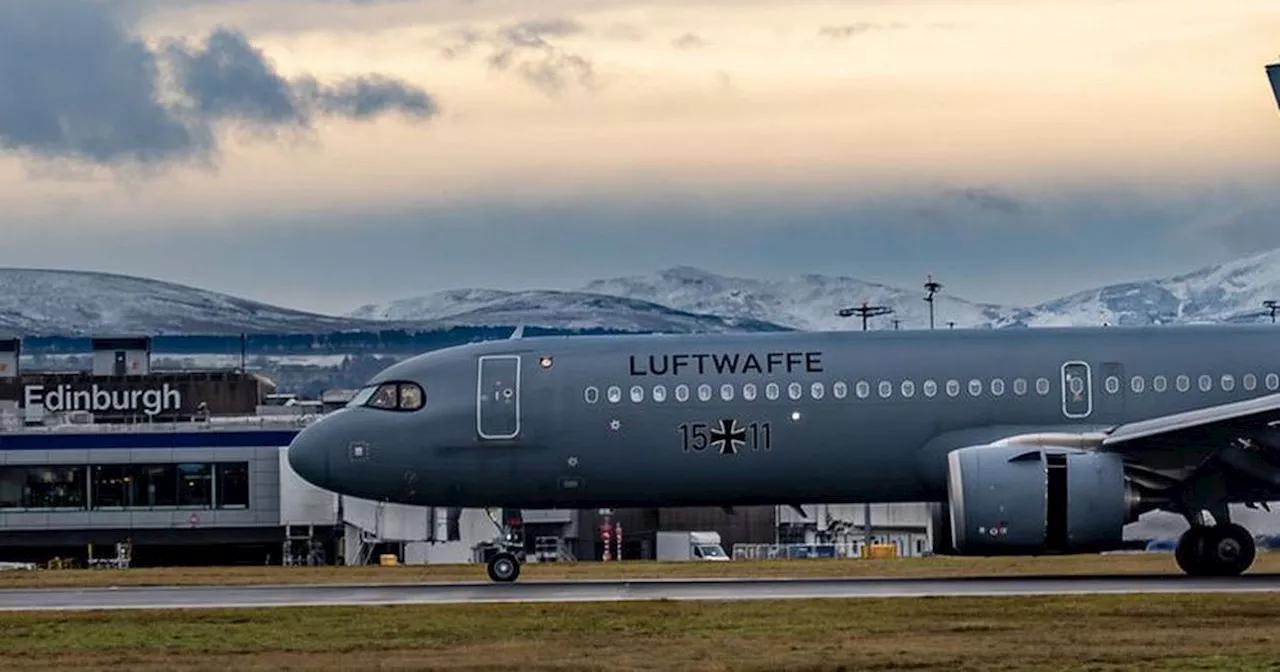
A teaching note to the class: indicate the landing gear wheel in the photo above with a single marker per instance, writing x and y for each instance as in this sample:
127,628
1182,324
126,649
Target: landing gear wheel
1190,549
1222,550
1228,551
503,567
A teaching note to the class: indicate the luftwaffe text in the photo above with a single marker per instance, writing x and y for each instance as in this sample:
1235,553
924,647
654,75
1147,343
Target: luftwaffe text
727,363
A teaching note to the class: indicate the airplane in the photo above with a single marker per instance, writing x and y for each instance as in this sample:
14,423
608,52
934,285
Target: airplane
1023,441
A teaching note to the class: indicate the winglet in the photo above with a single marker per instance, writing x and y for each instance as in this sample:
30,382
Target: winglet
518,333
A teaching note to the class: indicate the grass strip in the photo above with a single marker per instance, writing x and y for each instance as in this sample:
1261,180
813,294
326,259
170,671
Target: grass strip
1108,632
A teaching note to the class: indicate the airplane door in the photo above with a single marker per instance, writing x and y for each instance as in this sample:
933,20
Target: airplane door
498,397
1077,390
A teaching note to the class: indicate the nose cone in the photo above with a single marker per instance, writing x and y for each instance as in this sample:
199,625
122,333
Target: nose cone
309,456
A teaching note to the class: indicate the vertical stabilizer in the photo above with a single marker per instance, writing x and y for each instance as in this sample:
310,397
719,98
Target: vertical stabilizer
1273,74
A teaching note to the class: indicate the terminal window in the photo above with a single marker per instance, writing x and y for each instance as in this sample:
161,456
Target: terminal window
125,486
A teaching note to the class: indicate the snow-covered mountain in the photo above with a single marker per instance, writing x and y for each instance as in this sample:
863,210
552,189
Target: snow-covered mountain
37,302
550,308
807,302
680,299
1230,292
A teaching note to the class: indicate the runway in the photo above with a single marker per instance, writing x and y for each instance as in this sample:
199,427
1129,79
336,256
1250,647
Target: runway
204,597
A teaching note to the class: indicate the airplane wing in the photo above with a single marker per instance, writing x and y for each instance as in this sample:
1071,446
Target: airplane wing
1243,436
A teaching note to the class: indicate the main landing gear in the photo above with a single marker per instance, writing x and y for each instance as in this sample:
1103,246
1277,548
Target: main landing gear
505,554
1219,550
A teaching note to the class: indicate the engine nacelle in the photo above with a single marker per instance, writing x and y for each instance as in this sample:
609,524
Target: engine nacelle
1032,500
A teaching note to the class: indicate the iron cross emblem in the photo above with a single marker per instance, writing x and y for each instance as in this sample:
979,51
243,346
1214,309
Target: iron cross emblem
728,436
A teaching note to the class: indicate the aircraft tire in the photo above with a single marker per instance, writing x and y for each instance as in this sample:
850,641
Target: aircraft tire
1222,550
503,567
1190,549
1228,550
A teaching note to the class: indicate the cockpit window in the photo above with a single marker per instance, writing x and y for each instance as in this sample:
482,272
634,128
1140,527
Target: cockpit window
397,396
410,397
362,396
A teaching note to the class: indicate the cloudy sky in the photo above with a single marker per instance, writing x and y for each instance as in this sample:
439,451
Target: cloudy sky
327,153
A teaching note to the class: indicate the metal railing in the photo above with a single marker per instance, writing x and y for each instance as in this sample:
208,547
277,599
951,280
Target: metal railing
13,424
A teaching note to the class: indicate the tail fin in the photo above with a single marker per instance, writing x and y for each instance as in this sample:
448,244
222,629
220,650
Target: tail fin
1273,73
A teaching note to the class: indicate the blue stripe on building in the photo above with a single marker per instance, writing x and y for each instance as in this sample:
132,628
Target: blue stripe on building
104,440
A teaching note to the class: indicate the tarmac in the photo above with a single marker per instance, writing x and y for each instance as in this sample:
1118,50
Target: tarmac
206,597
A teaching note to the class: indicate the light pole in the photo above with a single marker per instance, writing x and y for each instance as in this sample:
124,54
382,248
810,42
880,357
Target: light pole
865,312
932,287
1271,305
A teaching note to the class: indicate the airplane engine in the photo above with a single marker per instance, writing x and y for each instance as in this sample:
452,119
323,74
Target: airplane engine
1033,500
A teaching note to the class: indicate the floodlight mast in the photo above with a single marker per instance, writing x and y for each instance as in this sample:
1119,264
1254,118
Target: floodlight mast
866,312
932,287
1272,306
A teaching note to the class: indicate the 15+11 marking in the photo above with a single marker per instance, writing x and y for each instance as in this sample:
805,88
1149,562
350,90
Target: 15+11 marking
726,436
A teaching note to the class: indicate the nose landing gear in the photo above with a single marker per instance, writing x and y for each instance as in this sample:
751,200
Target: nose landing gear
506,553
504,567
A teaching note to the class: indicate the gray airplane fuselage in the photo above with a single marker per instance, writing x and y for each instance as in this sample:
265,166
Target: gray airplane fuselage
854,416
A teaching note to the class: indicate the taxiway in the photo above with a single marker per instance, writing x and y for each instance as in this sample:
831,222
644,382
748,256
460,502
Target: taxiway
200,597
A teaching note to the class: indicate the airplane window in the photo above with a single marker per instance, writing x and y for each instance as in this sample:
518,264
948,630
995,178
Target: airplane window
363,396
1206,383
1042,386
704,392
749,391
614,394
840,389
862,389
908,389
1137,384
1250,382
1273,382
886,389
682,392
997,386
816,390
794,390
385,397
1183,383
591,395
1159,384
953,387
411,396
1228,383
726,392
930,388
659,393
975,387
1019,386
637,394
401,396
1113,385
771,391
